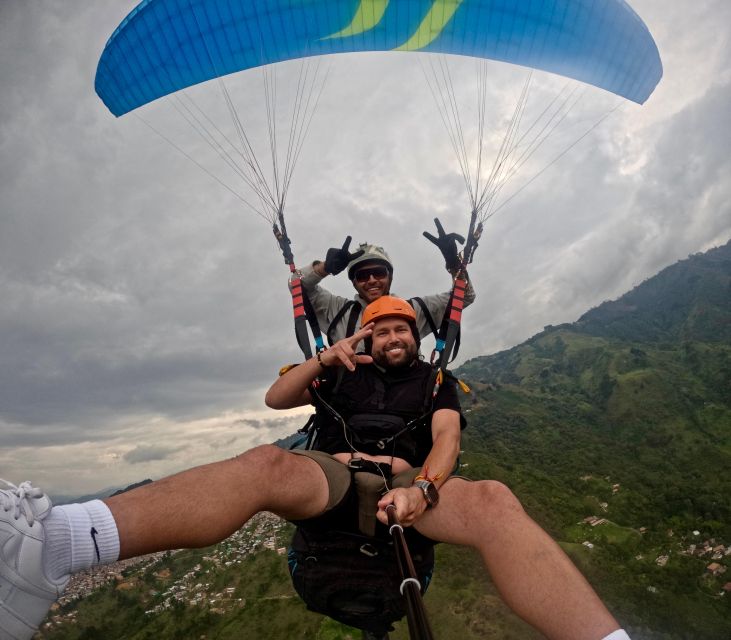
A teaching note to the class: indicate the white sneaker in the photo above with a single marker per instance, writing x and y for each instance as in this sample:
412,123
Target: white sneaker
26,593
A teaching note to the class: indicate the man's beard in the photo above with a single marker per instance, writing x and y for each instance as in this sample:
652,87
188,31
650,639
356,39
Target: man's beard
404,359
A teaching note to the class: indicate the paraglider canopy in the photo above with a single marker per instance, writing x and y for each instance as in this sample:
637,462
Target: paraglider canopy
163,46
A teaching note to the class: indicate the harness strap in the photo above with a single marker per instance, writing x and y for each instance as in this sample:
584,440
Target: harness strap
427,314
312,320
430,394
353,319
355,310
454,322
449,332
301,305
300,315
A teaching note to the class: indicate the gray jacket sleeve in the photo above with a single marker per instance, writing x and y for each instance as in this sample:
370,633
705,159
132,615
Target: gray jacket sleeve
437,305
325,304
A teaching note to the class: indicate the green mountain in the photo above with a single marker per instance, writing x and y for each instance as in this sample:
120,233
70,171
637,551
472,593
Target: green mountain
690,300
615,433
626,415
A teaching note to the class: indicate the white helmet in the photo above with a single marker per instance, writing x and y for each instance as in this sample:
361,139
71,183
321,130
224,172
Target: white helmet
371,253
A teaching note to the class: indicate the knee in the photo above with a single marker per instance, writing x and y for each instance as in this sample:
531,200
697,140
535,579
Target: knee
495,497
481,511
264,457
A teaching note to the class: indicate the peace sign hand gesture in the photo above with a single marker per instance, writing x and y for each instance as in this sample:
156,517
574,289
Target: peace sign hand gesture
338,258
291,388
342,353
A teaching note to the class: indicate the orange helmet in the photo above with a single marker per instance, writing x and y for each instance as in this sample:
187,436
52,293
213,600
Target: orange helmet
388,307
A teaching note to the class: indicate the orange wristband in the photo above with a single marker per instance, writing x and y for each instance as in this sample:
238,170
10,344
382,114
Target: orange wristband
427,477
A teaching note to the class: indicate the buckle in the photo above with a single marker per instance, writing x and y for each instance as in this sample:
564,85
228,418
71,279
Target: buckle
369,550
357,464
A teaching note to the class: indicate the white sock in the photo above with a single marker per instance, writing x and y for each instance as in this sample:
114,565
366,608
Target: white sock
619,634
79,536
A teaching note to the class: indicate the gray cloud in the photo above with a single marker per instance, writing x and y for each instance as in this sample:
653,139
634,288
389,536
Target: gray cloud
149,454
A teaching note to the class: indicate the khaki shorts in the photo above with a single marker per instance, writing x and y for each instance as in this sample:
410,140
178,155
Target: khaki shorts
369,486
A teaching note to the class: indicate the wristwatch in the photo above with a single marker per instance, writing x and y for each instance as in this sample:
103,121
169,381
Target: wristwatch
429,489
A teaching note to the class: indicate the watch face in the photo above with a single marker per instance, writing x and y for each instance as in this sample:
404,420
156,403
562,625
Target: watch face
430,492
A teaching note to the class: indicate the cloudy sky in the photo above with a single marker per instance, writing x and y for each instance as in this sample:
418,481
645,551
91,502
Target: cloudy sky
144,311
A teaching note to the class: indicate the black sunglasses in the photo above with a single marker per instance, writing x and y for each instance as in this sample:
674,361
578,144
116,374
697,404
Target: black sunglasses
377,272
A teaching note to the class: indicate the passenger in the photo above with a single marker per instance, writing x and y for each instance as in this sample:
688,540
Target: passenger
370,269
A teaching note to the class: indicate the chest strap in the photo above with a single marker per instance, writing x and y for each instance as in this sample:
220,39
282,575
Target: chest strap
355,310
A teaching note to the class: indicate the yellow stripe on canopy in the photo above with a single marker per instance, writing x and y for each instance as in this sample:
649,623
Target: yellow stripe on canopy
432,25
367,16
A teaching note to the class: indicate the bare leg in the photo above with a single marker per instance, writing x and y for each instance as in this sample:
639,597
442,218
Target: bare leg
206,504
534,576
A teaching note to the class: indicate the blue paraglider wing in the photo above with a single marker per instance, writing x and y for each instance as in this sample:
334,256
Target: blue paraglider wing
163,46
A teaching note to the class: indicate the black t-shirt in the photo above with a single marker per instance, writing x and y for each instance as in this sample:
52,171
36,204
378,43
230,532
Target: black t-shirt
379,404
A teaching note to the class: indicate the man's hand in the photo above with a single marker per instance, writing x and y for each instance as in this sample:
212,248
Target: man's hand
342,353
447,243
337,259
409,503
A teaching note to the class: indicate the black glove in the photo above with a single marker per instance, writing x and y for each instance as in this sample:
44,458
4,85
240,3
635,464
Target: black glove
447,243
337,259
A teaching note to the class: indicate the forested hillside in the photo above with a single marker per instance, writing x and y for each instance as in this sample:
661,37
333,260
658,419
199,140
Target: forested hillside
625,415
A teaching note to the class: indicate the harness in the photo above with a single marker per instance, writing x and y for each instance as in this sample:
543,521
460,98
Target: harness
345,566
354,578
312,431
